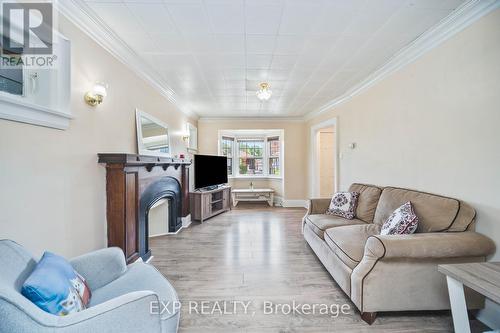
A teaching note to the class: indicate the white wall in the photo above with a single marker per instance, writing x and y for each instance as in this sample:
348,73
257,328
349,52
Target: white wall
52,191
158,218
433,126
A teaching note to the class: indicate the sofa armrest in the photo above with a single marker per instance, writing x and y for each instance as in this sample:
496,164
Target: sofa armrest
138,311
100,267
429,245
318,205
405,254
132,312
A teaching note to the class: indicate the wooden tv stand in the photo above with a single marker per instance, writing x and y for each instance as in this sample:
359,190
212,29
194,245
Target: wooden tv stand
208,203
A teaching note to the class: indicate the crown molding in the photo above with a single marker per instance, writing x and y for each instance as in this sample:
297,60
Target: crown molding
458,20
251,119
83,17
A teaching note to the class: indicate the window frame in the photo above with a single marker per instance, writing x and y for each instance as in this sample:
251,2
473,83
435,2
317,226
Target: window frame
238,157
265,155
269,139
232,157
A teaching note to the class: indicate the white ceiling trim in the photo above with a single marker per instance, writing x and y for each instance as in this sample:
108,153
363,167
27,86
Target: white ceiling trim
251,119
461,18
81,16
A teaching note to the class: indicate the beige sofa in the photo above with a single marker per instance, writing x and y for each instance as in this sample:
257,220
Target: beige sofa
395,272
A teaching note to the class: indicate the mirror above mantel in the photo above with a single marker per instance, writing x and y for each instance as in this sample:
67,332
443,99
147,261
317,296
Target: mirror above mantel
192,144
152,135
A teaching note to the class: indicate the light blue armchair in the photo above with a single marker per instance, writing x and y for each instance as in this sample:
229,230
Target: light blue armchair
133,298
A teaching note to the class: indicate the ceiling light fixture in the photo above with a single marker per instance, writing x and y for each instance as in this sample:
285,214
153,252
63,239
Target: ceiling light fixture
264,93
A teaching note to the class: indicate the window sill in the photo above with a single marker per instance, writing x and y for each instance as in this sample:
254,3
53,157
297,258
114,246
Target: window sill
255,177
16,109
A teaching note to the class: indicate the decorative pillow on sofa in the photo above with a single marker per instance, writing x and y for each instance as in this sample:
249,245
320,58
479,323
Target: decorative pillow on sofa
55,287
402,221
344,204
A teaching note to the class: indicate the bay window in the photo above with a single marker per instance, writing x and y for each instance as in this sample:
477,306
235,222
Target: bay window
252,153
251,156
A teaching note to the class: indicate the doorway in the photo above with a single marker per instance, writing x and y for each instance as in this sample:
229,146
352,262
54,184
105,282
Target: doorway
324,159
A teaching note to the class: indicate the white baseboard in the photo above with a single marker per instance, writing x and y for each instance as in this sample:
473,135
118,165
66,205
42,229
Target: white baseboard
489,315
158,235
295,203
186,221
147,261
278,201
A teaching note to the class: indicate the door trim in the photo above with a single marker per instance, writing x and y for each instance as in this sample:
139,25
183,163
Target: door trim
313,170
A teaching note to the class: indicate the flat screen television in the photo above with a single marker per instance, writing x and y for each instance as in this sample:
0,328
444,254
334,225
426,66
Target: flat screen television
209,170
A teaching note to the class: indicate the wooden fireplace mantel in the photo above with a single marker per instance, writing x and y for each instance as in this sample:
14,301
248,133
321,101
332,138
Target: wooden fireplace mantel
128,177
141,160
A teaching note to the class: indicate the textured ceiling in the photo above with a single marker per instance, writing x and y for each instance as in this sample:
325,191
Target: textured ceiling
213,53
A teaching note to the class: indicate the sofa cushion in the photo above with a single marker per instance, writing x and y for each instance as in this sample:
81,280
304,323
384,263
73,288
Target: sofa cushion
435,213
367,201
55,287
465,218
139,276
343,204
348,242
320,222
402,221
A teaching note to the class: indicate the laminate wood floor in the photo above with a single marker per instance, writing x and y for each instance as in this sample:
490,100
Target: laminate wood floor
257,254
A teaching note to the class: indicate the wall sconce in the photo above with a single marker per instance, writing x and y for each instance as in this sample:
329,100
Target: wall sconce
185,138
97,94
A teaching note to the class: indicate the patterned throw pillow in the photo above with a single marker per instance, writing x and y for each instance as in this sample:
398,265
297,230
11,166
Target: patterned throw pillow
55,287
402,221
344,204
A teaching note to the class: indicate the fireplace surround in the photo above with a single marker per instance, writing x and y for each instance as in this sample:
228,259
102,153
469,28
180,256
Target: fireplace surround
163,188
134,183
